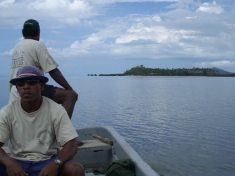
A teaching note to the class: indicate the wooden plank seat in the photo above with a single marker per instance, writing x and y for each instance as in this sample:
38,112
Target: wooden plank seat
94,145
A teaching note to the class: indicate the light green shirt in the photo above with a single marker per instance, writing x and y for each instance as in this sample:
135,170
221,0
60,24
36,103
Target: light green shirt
30,52
34,136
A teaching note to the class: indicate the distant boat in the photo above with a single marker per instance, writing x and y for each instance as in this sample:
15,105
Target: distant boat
103,146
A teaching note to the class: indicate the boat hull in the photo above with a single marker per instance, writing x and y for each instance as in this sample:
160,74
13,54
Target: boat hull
100,158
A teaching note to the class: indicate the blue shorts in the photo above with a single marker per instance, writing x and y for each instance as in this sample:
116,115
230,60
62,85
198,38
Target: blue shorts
33,168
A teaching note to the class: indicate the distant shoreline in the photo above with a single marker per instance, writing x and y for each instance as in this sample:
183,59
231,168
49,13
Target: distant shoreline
144,71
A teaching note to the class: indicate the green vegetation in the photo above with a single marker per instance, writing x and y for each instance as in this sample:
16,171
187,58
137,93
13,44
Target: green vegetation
144,71
114,74
91,75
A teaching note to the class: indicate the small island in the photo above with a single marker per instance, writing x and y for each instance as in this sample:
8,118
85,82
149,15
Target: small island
144,71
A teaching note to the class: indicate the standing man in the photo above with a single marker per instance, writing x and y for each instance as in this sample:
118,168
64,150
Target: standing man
30,51
34,126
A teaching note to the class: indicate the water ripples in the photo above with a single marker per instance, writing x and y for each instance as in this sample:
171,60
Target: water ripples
181,126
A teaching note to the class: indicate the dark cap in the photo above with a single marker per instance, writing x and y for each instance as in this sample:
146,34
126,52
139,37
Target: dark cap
31,25
29,73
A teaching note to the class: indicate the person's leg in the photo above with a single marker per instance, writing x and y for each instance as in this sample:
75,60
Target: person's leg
72,169
37,166
67,98
24,164
3,171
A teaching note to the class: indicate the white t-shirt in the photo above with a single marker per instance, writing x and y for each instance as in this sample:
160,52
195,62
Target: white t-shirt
35,136
30,52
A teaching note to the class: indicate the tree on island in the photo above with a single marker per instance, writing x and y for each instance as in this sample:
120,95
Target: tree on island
141,70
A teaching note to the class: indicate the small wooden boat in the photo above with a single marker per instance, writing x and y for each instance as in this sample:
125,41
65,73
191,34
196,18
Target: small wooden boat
103,146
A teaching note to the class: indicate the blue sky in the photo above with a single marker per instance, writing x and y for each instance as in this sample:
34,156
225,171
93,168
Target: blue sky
112,36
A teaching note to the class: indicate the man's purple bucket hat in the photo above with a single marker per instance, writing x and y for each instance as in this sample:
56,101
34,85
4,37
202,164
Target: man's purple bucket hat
29,73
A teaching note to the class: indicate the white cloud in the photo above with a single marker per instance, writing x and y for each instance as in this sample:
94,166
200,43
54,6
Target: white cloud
60,5
75,45
116,1
145,37
50,42
221,63
186,30
53,13
210,8
188,18
63,11
5,3
155,33
157,18
93,39
6,53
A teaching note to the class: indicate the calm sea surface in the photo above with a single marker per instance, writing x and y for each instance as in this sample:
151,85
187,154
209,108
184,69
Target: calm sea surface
181,126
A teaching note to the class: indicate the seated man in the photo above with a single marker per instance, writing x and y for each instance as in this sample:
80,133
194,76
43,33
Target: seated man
34,126
30,51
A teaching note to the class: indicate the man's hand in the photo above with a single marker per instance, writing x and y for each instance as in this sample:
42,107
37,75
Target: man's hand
13,168
50,170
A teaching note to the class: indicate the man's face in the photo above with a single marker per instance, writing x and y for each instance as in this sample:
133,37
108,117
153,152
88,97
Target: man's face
29,90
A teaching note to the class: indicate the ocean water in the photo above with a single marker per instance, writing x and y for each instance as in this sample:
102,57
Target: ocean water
181,126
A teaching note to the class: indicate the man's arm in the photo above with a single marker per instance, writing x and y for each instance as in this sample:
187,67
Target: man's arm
3,155
67,153
60,79
12,167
